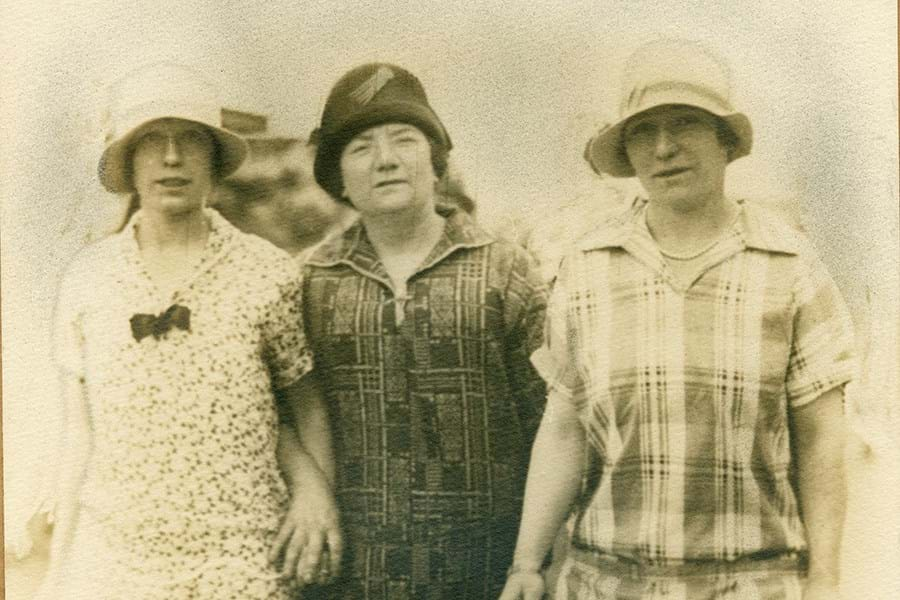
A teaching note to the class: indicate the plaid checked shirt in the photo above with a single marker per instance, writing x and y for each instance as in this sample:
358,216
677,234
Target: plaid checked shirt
685,394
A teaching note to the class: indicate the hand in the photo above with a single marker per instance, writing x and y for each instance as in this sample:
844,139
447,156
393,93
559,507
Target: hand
816,589
524,585
309,538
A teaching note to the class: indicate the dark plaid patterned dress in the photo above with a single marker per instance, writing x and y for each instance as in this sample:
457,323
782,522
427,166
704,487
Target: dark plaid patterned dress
434,412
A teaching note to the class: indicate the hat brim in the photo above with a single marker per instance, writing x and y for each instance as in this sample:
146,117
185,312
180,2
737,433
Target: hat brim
605,151
331,143
113,169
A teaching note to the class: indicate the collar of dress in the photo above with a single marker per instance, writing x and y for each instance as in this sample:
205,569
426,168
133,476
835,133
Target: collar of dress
353,248
755,229
221,238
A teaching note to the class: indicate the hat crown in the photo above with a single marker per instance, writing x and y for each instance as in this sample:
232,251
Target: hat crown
671,66
158,91
366,87
668,72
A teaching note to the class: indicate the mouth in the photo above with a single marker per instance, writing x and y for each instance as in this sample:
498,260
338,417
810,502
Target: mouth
389,182
671,172
173,182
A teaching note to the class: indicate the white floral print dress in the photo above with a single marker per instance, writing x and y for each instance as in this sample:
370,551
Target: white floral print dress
182,495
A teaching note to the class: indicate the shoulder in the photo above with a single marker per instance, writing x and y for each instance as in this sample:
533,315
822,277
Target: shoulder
261,259
334,247
95,261
768,229
97,266
611,231
504,248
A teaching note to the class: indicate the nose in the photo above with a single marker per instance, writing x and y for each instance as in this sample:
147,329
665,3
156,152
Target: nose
385,157
172,156
666,146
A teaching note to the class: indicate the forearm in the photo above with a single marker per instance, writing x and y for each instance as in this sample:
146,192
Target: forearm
305,432
296,462
314,430
554,481
75,452
819,442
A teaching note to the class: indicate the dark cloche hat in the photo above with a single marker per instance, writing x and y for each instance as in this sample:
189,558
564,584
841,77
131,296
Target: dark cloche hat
366,96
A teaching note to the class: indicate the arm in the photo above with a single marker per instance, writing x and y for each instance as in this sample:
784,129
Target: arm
554,481
305,426
307,462
525,307
76,448
818,434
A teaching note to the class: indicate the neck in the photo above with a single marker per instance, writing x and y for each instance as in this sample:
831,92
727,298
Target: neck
405,233
163,231
680,227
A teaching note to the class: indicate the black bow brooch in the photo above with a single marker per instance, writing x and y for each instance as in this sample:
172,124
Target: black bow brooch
176,315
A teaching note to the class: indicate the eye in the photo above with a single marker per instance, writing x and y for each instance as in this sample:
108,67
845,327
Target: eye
152,138
639,132
195,137
357,148
684,123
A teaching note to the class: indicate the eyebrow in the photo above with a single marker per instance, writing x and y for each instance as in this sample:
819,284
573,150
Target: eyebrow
367,136
401,129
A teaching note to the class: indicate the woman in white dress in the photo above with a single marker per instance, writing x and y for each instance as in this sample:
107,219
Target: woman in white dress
179,342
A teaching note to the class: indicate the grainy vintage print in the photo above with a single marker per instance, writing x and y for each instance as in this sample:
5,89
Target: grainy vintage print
472,301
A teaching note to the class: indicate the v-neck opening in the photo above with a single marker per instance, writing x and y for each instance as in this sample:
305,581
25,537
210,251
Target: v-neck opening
729,243
354,249
213,248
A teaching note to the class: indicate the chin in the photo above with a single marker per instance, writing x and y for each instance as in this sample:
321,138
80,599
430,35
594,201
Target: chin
386,206
674,195
181,206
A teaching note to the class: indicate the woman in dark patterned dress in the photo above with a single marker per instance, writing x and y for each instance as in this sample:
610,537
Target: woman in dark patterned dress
422,325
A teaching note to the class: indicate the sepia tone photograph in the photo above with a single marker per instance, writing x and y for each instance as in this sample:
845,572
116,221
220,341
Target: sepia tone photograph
428,300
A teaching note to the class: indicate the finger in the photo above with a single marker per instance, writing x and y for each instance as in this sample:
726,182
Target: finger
335,550
308,567
509,593
533,591
298,541
324,567
532,594
284,534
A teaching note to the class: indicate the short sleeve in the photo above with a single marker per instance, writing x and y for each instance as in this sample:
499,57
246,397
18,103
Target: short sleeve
822,356
285,349
556,359
68,333
525,305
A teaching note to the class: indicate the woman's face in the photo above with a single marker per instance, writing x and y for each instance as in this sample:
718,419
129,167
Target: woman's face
387,168
172,166
677,155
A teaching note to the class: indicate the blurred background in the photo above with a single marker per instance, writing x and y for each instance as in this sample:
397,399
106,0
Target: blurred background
520,86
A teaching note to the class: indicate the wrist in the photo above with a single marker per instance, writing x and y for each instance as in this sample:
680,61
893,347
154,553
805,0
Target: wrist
525,566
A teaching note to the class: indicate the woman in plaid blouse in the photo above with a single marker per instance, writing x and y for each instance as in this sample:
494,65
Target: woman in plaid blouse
695,352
